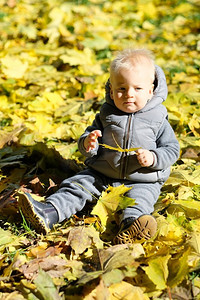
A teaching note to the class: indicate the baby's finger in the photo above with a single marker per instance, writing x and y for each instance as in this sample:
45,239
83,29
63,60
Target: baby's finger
91,145
92,137
140,151
98,133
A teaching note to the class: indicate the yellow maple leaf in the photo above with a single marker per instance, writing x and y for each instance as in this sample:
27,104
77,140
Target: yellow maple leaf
13,67
169,230
157,271
110,200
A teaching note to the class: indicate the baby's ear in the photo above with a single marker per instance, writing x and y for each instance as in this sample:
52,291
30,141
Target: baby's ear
111,91
152,89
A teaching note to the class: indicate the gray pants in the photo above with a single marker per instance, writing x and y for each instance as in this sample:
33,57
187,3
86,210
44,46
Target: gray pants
87,185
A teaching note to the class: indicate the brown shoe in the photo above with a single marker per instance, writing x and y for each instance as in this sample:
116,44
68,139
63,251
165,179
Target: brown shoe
142,228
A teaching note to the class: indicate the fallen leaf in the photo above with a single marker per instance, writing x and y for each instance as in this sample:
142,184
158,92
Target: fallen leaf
111,199
9,137
46,287
178,268
13,67
157,271
81,238
40,252
126,291
54,266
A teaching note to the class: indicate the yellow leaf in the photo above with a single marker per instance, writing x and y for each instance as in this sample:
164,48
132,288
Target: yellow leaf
111,197
4,103
101,211
148,9
13,67
55,99
183,8
191,208
169,230
46,287
196,282
157,271
28,138
148,26
12,296
47,103
9,137
110,200
126,291
194,125
194,241
178,268
169,36
81,238
89,70
101,292
186,175
118,148
184,192
76,57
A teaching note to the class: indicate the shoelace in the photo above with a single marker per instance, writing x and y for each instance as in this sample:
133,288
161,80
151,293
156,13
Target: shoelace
135,231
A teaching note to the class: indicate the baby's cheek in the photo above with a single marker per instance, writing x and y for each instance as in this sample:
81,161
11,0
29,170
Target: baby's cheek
119,94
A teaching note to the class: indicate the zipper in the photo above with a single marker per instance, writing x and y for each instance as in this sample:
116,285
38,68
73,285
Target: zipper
126,146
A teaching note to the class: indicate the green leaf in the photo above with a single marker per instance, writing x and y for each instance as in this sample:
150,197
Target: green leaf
87,277
114,276
46,287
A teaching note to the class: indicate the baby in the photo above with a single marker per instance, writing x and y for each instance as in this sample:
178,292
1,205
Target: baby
132,117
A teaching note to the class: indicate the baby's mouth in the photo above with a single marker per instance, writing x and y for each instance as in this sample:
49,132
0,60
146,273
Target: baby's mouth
129,102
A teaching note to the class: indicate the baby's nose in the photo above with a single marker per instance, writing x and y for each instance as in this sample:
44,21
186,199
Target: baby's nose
130,92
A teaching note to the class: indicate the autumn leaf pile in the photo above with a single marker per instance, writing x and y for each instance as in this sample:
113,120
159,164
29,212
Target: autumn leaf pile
54,63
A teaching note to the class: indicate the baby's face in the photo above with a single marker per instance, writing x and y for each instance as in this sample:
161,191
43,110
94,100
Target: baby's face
131,88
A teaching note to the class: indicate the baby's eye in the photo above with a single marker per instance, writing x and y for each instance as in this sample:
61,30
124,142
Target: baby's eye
121,88
138,89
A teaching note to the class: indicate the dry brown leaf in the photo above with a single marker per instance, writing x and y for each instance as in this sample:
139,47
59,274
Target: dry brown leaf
54,266
9,137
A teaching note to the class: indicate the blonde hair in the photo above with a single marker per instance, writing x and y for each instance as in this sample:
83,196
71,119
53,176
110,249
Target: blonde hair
128,58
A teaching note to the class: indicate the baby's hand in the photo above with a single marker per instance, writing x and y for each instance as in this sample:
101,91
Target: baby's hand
91,140
145,157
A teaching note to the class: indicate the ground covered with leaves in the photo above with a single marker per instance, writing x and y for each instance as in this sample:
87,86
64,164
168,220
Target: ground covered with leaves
54,63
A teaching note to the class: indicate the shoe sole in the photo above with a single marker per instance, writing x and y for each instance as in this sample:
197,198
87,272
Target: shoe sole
30,215
144,227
